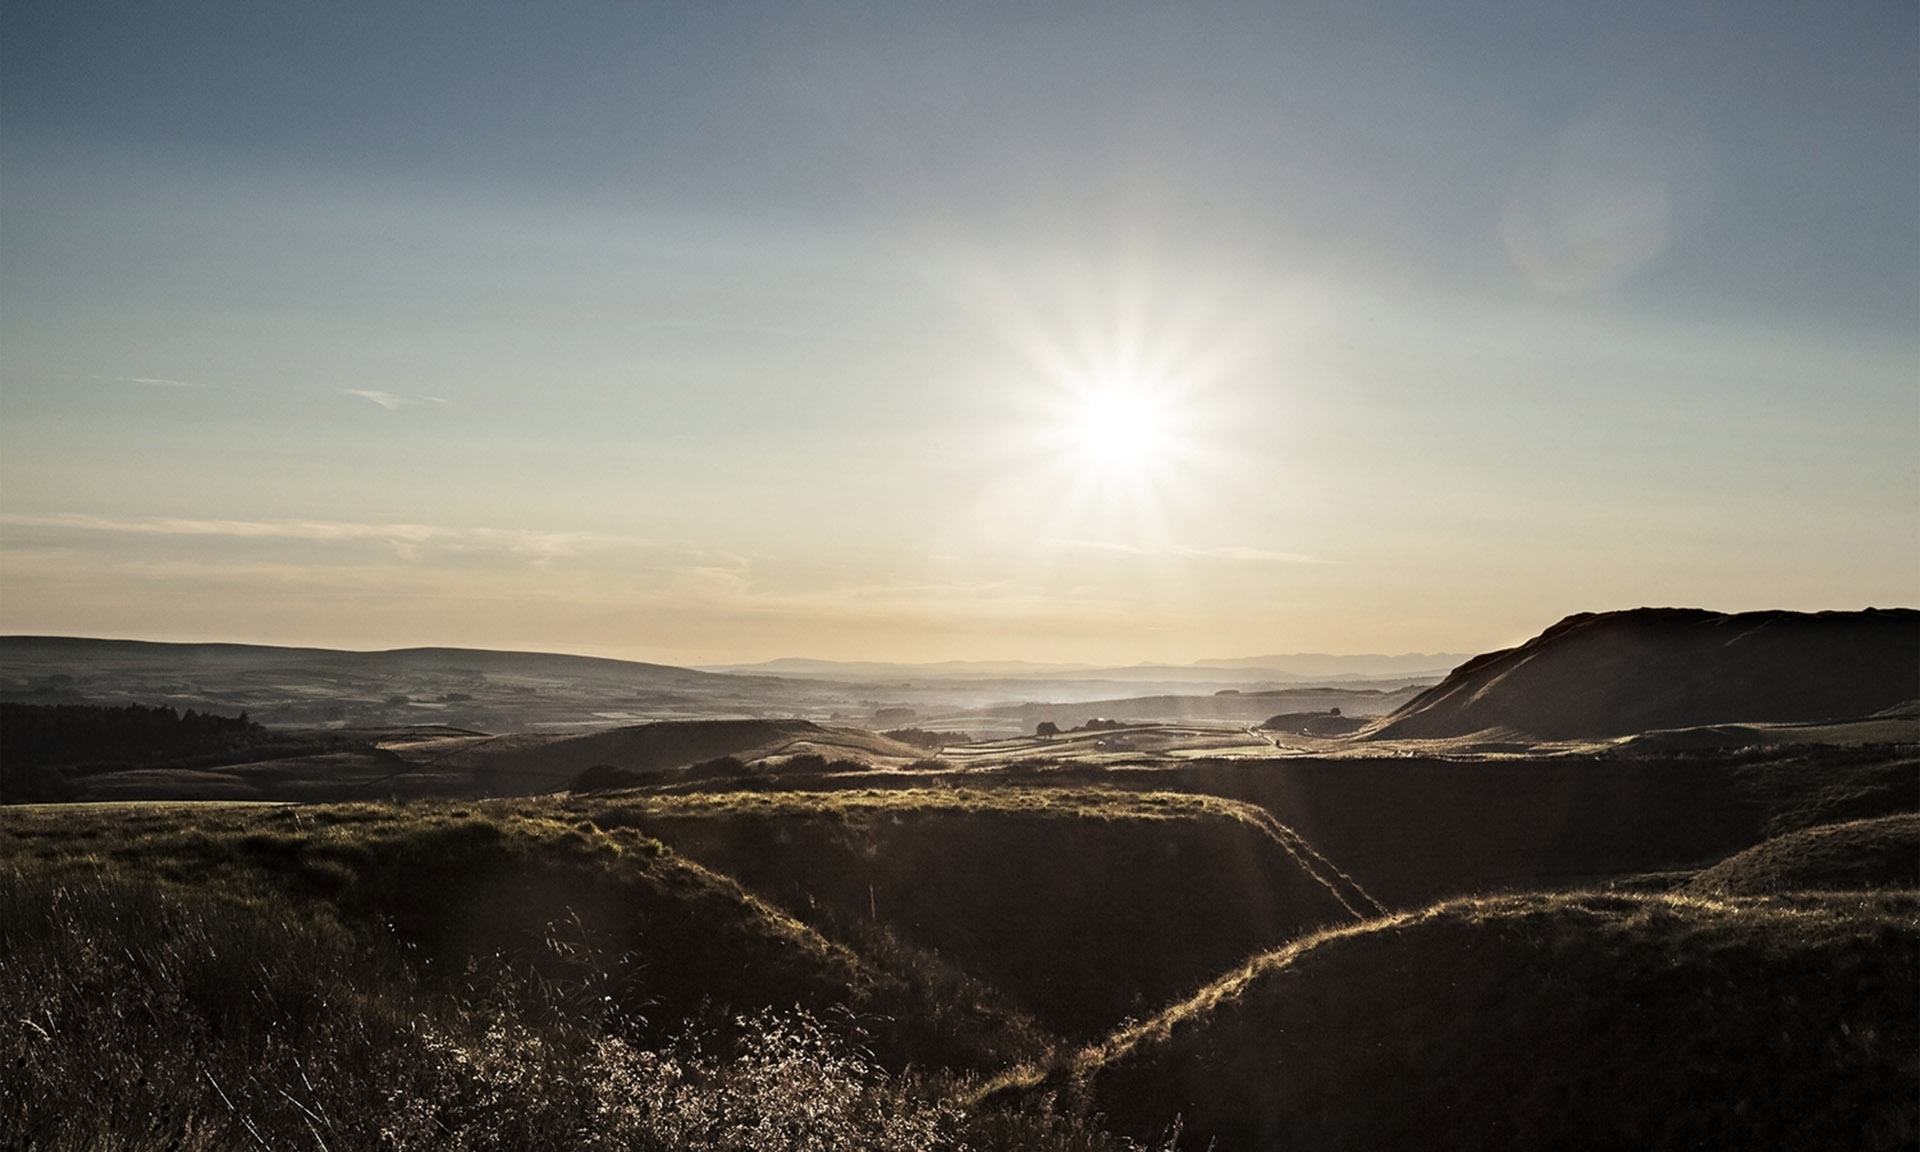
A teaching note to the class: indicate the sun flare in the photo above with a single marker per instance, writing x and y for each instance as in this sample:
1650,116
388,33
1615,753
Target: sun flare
1116,429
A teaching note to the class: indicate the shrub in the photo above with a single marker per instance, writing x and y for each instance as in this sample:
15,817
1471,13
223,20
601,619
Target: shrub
717,768
140,1016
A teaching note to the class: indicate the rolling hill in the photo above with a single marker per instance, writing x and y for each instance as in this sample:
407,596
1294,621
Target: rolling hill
1083,906
1541,1021
471,892
1881,852
470,688
1615,674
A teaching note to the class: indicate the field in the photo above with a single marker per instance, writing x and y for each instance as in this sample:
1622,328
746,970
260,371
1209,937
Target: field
780,933
982,966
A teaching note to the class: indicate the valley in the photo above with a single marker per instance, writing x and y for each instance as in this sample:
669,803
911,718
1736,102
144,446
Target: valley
1161,921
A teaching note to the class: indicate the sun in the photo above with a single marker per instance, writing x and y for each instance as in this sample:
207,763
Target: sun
1118,428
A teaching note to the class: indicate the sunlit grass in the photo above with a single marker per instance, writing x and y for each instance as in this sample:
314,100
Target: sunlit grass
1535,1020
460,976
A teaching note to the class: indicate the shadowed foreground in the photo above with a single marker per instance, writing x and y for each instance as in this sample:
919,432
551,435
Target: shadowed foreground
1547,1021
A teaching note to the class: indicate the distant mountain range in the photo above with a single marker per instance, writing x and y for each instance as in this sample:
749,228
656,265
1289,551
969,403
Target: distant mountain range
1294,666
64,650
492,691
462,687
1591,676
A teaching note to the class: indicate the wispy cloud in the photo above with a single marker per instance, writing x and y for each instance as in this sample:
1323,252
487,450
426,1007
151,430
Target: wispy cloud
156,381
1193,552
392,400
1251,555
518,541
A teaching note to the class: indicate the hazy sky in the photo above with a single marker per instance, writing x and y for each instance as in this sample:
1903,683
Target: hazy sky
708,332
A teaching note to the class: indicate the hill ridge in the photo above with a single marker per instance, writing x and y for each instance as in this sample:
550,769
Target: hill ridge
1611,674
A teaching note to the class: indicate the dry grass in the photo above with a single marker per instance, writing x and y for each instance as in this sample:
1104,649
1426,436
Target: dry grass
461,977
565,905
145,1017
1083,906
1565,1021
1855,854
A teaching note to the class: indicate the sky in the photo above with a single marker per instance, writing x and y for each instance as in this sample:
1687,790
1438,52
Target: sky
1107,332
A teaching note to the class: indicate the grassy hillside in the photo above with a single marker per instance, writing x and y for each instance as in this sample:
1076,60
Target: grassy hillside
1416,830
659,753
1084,906
530,893
1529,1022
417,762
312,687
145,1016
525,973
1855,854
1615,674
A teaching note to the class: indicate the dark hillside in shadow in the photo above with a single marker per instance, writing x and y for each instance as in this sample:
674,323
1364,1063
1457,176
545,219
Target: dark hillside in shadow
79,752
1085,908
1858,854
638,752
1530,1022
1414,831
1610,674
527,894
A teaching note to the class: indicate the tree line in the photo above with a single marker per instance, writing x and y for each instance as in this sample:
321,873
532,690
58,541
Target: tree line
43,747
83,735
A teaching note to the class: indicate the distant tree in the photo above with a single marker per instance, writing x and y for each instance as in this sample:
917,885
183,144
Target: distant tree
1046,730
600,778
921,737
718,767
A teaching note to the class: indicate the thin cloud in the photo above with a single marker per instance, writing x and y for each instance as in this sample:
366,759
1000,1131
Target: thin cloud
386,400
156,381
265,529
1252,555
393,400
518,541
1191,552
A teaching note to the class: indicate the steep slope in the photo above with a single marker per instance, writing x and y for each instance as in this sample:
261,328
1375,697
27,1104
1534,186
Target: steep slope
1611,674
1084,907
1545,1022
470,892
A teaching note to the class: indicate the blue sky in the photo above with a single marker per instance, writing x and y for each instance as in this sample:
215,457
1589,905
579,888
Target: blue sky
726,332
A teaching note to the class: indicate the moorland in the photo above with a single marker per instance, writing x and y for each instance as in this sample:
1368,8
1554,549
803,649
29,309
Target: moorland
1651,879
